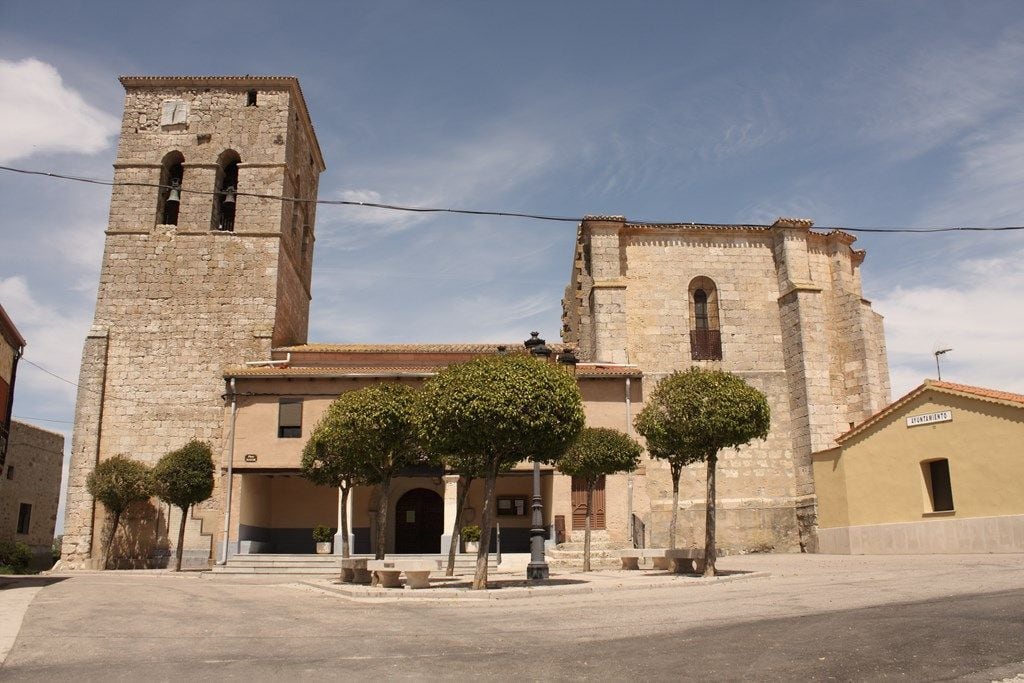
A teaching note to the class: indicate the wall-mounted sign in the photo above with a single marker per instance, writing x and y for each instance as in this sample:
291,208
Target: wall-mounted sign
250,457
930,418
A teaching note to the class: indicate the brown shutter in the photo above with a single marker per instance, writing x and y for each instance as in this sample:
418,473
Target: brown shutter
579,505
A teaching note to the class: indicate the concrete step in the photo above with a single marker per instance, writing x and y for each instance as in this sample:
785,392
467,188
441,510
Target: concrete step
595,544
558,553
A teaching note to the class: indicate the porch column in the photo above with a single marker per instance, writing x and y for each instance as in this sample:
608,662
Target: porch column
451,504
347,512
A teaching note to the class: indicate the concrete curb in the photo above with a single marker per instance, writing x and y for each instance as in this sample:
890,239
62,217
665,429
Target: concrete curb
592,586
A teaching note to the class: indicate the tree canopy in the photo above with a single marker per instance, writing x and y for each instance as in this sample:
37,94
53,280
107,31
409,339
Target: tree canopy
504,409
597,452
183,478
369,435
118,482
691,416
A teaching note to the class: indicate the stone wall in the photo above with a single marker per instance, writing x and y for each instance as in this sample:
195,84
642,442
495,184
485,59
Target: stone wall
31,475
793,324
177,303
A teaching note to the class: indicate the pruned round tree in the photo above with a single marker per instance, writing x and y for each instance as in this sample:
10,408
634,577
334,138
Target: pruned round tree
372,433
328,461
504,409
183,478
598,452
119,482
692,416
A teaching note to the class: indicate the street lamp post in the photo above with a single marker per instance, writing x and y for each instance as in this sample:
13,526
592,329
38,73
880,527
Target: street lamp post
938,353
538,568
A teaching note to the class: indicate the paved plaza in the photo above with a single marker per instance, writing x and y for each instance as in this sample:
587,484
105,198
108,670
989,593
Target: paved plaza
772,617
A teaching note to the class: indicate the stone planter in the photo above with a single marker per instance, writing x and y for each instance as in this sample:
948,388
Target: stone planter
472,546
323,548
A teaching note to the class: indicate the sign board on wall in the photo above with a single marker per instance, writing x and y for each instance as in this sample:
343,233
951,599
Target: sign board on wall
930,418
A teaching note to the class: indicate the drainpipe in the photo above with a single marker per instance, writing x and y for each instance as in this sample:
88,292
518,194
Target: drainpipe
231,482
629,476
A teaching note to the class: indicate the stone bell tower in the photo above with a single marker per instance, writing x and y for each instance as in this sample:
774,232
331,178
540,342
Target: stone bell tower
197,274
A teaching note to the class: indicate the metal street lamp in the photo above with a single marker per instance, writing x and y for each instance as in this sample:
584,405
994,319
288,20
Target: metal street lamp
538,567
938,353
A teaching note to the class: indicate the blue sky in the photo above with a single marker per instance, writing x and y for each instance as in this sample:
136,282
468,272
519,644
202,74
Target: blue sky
851,114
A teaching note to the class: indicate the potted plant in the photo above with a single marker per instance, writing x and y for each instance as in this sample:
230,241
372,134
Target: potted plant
471,538
323,535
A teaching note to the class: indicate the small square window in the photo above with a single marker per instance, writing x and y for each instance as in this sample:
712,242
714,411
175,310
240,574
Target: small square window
10,471
24,518
289,418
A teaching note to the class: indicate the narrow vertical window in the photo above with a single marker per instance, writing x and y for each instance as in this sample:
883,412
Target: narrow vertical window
226,191
937,481
250,98
705,335
24,518
172,175
289,418
700,308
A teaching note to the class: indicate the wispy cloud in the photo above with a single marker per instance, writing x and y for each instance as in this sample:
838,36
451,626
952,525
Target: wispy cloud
974,311
39,114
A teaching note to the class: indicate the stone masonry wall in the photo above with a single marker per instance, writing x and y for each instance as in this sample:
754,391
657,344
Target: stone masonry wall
31,475
792,323
176,303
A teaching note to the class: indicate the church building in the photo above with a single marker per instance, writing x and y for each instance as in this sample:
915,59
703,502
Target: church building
201,323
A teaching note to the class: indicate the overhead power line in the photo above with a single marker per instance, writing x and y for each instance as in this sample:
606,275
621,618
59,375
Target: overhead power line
481,212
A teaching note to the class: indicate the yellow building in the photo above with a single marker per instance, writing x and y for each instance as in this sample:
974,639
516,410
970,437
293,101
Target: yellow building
941,470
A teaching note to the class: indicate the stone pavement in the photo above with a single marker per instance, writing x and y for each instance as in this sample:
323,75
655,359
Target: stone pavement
788,616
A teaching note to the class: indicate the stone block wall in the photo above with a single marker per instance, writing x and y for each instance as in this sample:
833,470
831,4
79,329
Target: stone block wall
31,475
792,323
177,303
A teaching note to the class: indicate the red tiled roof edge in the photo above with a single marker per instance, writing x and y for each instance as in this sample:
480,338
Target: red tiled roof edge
982,393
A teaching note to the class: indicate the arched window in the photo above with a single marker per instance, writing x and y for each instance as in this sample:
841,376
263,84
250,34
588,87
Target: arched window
226,189
705,335
172,173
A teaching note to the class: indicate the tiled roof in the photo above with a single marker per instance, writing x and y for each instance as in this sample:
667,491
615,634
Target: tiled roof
982,393
584,370
329,371
10,332
411,348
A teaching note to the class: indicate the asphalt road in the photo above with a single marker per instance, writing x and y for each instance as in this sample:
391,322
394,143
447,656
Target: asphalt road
820,619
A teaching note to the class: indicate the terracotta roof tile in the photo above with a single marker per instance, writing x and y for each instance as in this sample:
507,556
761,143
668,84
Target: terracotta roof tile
944,387
584,370
481,348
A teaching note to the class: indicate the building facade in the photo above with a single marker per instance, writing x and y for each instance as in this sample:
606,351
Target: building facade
779,305
938,471
198,272
11,346
31,489
202,314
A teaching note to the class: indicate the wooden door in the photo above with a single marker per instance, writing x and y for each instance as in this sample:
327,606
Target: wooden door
419,522
579,505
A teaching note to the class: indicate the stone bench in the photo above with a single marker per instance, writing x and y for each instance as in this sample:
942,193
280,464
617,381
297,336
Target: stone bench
417,572
679,560
353,570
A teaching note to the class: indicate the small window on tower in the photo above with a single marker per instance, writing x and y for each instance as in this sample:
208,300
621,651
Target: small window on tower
289,418
250,98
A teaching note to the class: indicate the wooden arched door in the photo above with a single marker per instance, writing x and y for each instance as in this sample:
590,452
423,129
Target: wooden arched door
419,522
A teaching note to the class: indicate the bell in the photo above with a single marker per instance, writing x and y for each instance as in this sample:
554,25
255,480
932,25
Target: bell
174,194
229,194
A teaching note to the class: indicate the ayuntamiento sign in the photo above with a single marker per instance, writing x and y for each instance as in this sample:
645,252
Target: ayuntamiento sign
930,418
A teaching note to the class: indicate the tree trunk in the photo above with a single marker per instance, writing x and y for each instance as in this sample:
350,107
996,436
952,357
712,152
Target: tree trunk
709,520
586,525
110,539
181,539
486,521
677,470
382,517
460,502
345,490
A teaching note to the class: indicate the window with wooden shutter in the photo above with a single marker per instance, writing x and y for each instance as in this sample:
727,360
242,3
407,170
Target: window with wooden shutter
289,418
